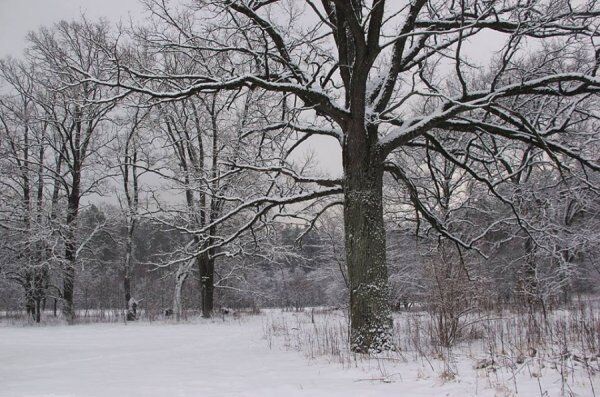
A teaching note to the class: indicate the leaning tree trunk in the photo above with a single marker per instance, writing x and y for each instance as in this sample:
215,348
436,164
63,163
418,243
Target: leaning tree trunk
370,318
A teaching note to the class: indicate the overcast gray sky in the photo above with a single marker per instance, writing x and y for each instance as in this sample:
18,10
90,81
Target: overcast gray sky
17,17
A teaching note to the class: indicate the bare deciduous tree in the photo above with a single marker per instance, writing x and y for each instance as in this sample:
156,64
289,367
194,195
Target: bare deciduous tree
355,71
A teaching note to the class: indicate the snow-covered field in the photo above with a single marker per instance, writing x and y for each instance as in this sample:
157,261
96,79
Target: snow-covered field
235,357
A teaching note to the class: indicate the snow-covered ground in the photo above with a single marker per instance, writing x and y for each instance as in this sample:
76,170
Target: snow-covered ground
235,357
201,358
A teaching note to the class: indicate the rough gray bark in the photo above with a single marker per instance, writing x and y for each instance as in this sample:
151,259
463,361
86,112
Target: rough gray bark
68,307
206,265
74,198
370,318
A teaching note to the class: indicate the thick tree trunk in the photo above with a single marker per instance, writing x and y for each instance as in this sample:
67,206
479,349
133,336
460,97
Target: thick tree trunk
71,249
40,286
526,276
180,276
39,291
68,307
206,267
370,318
29,295
177,297
41,271
38,310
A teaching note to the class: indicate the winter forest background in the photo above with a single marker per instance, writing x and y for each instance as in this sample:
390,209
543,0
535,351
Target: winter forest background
163,169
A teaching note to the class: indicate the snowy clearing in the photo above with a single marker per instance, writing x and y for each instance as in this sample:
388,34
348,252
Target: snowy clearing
235,357
191,359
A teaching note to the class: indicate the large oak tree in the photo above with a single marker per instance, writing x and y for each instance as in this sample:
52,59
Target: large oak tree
377,76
